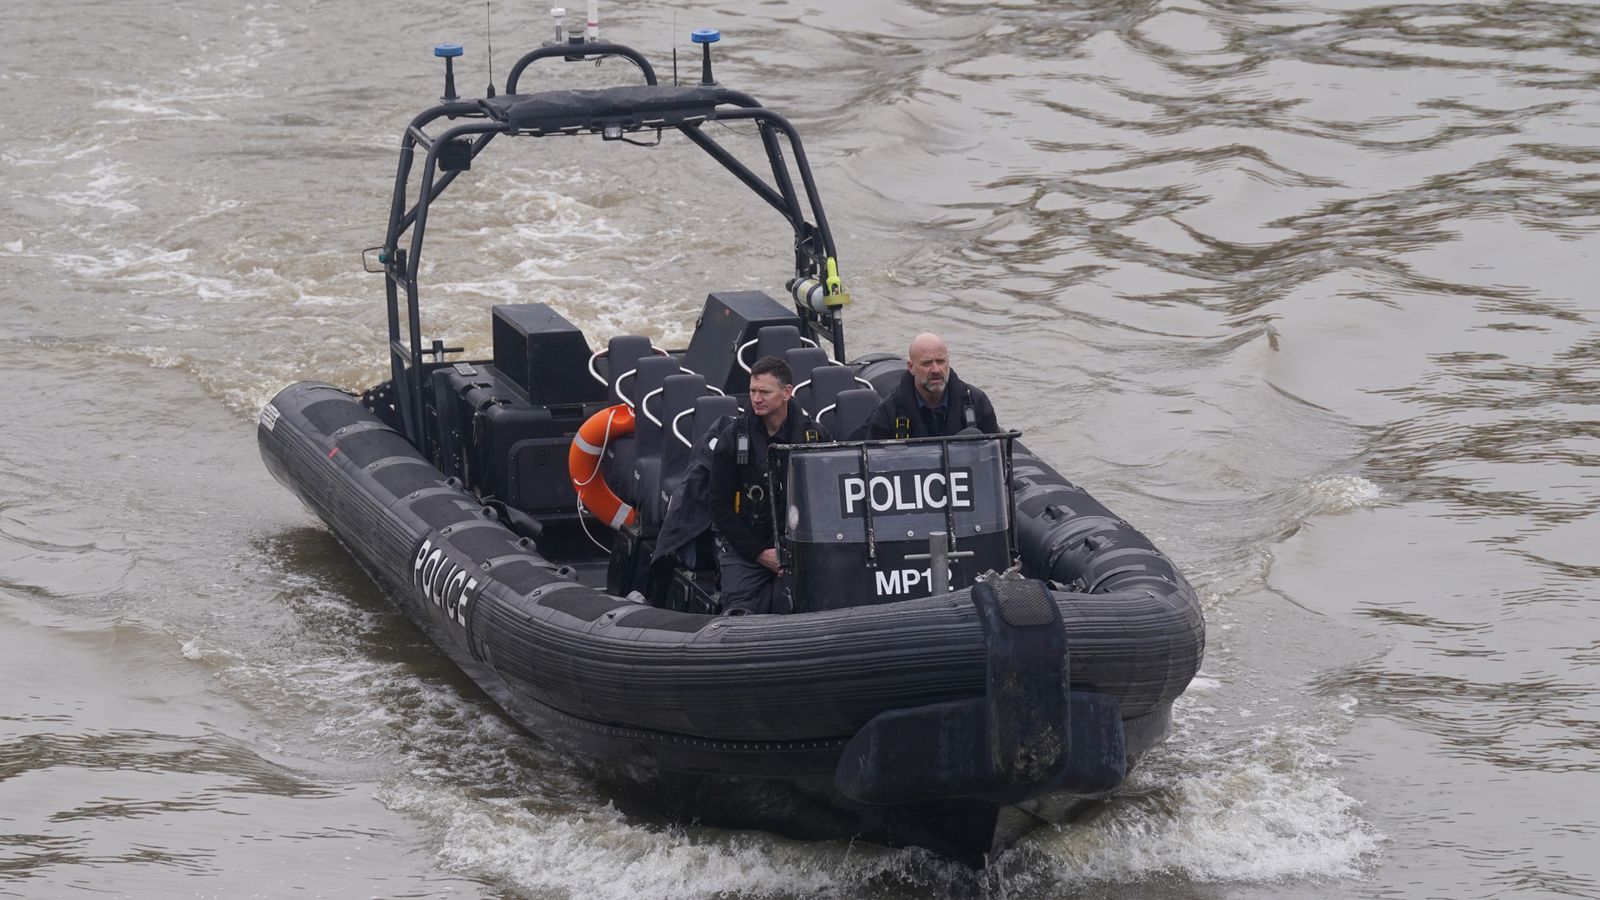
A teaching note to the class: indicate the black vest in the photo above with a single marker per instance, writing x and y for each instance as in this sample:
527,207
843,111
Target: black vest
750,448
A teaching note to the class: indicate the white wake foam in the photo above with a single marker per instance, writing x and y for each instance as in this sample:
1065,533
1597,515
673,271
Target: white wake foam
1341,493
1255,807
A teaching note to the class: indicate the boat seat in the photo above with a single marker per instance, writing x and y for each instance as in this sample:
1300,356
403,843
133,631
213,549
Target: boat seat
706,411
657,475
646,390
773,340
678,397
802,360
823,386
620,356
847,420
803,388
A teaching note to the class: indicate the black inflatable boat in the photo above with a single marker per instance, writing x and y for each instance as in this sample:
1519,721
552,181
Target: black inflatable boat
973,639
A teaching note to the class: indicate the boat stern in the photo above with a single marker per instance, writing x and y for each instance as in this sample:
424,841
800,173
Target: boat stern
1029,734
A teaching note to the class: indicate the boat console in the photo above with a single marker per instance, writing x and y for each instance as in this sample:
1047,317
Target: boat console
876,522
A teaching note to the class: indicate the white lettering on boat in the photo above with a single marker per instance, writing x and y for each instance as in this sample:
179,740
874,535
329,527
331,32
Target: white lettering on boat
442,582
895,582
899,492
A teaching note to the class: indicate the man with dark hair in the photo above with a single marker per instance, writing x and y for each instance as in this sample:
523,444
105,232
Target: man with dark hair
741,507
930,400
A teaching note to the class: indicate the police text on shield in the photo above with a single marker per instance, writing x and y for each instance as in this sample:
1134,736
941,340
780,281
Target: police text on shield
907,491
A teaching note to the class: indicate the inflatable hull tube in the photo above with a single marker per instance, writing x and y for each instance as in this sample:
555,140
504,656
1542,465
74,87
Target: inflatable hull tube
700,713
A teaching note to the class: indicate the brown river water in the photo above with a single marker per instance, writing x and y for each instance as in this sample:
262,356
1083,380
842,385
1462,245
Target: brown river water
1305,290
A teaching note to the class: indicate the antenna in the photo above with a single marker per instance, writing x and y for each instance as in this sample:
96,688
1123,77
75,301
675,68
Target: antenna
488,38
674,48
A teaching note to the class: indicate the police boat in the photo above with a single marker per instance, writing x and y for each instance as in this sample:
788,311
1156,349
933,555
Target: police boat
974,643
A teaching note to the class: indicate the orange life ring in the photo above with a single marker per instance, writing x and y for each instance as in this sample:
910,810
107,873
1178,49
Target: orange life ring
583,465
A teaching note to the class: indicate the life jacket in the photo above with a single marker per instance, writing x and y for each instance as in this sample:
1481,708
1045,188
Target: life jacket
688,514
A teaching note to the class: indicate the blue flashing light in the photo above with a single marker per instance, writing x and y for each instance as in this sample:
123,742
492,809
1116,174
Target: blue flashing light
705,36
447,50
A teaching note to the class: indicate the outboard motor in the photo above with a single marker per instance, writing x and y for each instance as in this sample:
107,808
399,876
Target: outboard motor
858,518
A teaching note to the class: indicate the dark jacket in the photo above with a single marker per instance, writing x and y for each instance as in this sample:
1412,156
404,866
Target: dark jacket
688,514
966,406
748,529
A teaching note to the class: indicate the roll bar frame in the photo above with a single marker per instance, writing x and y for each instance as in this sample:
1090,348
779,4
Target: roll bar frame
400,259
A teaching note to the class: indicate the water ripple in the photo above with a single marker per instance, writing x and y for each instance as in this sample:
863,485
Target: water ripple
153,753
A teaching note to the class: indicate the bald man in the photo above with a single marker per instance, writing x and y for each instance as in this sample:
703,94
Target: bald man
930,400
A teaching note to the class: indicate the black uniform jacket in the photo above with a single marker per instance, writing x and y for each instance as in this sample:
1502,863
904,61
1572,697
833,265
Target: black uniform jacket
926,422
749,529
